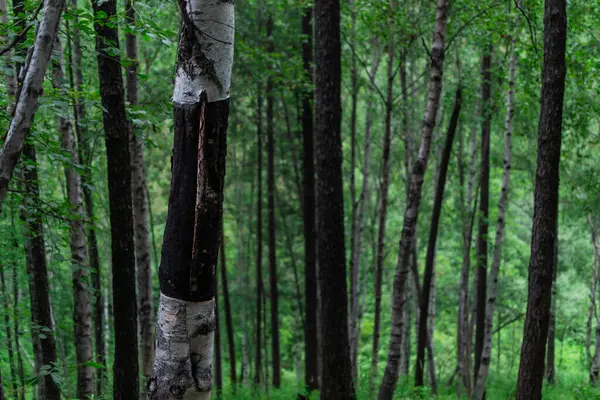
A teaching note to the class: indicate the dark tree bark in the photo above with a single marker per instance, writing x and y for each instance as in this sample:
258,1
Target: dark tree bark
433,233
140,204
218,361
37,270
311,366
550,365
259,244
186,318
531,368
76,78
8,331
228,320
116,129
484,193
411,214
273,290
336,369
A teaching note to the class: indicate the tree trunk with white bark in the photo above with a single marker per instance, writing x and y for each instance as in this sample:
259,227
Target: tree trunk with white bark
27,103
186,320
416,179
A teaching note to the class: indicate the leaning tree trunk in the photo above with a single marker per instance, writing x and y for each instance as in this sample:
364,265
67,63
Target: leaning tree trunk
484,193
31,89
428,275
486,355
383,205
533,349
140,204
416,179
82,313
116,130
186,319
41,317
311,365
76,77
336,368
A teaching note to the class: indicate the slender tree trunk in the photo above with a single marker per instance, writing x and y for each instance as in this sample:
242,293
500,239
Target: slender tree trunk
273,290
31,89
82,313
186,319
531,368
16,315
228,319
140,204
354,250
311,365
486,355
259,244
336,368
550,364
8,330
383,205
595,362
125,367
218,362
416,179
484,193
428,275
41,319
76,77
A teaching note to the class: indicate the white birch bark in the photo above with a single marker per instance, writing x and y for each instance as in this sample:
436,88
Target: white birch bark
595,367
82,313
492,285
26,105
184,329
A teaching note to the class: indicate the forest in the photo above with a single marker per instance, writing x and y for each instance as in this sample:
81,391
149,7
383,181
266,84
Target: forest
298,199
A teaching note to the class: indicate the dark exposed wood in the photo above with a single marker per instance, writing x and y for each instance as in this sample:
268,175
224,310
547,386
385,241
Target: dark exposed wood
336,369
533,349
116,128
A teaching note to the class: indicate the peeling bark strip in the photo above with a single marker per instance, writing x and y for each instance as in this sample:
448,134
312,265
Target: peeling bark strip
184,347
205,50
32,88
416,179
186,320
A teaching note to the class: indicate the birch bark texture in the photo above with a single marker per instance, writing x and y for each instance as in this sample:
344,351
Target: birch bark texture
416,179
26,104
82,313
533,349
492,286
185,324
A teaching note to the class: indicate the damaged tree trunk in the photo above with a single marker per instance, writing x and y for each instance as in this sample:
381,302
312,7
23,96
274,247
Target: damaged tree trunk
186,320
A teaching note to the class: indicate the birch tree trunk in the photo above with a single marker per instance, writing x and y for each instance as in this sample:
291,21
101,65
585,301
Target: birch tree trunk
116,129
416,179
429,273
595,362
492,287
531,368
140,204
76,77
27,103
186,319
82,313
336,368
592,310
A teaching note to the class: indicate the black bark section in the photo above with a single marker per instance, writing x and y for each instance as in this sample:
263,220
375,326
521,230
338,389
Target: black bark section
336,371
531,369
311,369
433,234
38,276
482,238
116,131
192,233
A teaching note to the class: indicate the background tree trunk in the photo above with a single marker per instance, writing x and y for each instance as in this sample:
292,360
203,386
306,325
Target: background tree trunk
336,368
116,128
259,277
228,320
416,180
531,368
